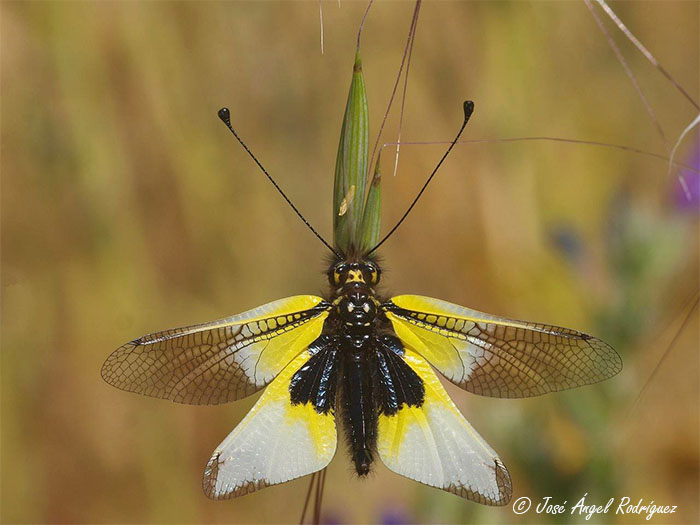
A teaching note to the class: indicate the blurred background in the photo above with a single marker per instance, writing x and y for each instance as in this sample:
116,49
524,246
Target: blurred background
128,208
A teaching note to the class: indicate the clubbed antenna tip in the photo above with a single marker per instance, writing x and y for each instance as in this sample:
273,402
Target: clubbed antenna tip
225,116
468,109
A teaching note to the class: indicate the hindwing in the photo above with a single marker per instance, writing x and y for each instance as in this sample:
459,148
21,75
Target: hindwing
427,439
281,438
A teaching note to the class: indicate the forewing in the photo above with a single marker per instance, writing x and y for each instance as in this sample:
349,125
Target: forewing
499,357
434,444
218,362
276,442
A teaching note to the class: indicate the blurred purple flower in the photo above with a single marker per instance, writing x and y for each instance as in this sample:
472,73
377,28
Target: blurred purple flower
568,242
331,518
395,516
691,178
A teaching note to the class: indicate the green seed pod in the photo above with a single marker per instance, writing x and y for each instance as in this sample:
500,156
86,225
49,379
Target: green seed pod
351,166
369,230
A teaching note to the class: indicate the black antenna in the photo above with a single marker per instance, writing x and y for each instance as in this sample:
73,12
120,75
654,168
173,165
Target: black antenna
225,116
468,110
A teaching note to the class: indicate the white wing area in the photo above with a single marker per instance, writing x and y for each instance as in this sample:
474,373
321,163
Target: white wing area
275,442
435,445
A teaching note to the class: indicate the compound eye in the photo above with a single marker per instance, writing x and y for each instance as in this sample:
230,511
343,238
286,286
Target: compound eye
339,274
372,273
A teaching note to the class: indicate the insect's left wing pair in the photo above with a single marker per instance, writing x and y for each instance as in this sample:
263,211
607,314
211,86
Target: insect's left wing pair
225,360
487,355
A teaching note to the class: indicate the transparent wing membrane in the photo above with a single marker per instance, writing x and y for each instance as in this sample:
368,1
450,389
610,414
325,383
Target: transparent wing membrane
221,361
499,357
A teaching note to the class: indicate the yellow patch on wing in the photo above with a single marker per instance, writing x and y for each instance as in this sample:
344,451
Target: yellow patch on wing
277,352
221,361
436,347
435,445
275,442
499,357
318,427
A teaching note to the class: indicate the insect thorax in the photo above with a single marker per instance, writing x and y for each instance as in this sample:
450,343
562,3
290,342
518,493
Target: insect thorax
353,296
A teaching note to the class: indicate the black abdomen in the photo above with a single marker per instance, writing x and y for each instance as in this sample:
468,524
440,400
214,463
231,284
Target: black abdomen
358,408
375,380
357,377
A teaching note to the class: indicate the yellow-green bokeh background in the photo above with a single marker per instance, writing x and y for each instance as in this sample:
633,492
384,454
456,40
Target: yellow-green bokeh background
128,208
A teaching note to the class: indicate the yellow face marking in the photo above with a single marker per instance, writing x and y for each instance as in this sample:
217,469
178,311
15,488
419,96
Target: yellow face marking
355,276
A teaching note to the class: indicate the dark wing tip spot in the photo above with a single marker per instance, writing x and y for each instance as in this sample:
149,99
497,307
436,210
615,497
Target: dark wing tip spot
504,483
211,472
